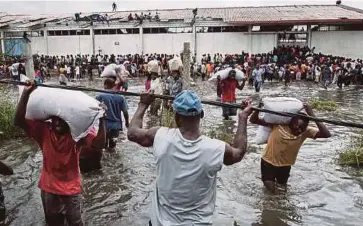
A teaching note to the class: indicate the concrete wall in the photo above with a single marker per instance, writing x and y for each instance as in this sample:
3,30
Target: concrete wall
63,45
263,43
128,43
38,45
166,43
221,43
339,43
230,43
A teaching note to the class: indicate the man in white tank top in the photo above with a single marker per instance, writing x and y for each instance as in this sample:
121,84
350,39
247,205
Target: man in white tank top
187,162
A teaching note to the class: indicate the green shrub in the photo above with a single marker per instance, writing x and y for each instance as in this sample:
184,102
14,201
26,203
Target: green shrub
7,113
323,105
353,155
168,118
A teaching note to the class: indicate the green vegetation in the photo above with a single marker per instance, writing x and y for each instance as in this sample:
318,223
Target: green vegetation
353,155
168,118
221,134
7,113
323,105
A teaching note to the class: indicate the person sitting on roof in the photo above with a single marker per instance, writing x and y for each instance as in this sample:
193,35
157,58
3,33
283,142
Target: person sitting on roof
130,17
77,15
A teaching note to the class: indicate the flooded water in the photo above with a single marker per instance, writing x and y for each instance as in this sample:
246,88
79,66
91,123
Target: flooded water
320,192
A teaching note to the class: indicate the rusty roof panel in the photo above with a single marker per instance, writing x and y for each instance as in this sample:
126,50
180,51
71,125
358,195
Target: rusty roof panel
242,15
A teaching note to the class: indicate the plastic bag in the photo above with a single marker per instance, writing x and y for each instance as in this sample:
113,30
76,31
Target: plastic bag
281,104
80,111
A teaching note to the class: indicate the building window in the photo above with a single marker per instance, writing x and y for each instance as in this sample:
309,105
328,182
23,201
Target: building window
58,33
256,28
97,32
86,32
163,30
112,31
72,32
65,32
51,33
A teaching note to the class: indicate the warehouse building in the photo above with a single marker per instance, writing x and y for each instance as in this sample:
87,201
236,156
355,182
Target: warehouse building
331,29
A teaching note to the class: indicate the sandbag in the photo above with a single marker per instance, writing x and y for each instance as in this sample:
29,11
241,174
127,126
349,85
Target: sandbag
262,134
112,70
224,74
281,104
153,66
175,64
80,111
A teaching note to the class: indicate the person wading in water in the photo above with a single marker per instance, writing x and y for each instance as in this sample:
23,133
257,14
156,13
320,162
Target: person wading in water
283,146
186,161
229,86
60,179
115,105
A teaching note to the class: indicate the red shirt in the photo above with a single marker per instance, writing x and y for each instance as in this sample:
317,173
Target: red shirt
60,172
229,90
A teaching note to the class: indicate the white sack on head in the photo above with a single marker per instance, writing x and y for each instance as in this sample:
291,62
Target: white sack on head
112,70
153,66
224,74
281,104
175,64
80,111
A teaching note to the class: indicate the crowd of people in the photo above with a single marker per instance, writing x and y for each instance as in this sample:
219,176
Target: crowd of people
187,162
286,63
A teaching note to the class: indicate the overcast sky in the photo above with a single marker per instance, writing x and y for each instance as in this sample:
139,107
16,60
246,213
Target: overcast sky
57,7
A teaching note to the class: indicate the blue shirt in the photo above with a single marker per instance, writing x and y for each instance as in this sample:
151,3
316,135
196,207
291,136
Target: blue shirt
115,104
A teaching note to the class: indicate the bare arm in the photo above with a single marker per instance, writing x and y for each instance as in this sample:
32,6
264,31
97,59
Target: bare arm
240,87
19,119
5,169
255,119
126,116
135,133
323,130
234,154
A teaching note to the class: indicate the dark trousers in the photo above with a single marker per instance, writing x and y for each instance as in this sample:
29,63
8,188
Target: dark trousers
269,172
229,111
61,210
90,163
111,138
2,206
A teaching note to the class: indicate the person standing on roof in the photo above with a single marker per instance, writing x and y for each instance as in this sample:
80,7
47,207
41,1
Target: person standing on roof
187,162
114,7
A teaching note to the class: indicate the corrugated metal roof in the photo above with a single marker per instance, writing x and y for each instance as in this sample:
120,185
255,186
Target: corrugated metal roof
237,15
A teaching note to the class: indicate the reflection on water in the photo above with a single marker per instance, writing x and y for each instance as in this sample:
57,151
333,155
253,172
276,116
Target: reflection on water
319,193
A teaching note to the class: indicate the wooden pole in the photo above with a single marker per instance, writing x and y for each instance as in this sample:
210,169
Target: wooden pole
29,65
186,65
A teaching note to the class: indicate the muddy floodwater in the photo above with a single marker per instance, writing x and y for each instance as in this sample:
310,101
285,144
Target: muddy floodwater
320,192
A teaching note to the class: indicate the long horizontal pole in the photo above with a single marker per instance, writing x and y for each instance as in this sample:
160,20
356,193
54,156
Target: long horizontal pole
208,102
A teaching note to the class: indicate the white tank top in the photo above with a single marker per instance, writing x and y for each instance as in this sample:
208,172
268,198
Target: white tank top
185,189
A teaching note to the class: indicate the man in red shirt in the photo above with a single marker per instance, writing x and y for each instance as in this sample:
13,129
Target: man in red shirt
229,86
60,180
